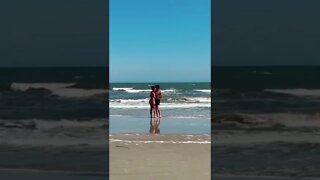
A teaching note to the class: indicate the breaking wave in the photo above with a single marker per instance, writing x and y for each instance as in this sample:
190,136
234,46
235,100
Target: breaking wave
166,103
297,92
38,132
64,90
203,90
132,90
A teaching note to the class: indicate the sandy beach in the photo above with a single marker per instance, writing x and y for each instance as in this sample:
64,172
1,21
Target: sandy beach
159,157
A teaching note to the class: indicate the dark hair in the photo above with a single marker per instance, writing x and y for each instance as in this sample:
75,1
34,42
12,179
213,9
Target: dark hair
157,86
152,87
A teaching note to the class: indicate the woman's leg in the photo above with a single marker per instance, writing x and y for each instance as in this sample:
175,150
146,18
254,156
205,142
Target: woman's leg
151,109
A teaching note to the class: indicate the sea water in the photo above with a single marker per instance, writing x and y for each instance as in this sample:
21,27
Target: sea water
185,107
266,121
54,120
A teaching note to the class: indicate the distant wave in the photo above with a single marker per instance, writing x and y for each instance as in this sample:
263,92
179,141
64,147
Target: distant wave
271,120
191,99
27,86
203,90
266,129
171,100
166,103
146,100
51,124
53,133
297,92
173,117
132,90
60,89
144,105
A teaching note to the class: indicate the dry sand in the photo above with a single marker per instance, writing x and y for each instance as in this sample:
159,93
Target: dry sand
137,160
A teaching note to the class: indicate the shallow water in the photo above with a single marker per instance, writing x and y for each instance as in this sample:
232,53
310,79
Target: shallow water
168,125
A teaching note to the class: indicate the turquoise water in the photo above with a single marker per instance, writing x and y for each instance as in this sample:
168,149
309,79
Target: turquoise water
185,107
122,124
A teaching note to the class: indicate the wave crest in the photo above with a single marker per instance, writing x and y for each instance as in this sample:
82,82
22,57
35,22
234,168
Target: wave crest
181,103
132,90
273,120
296,92
64,90
203,90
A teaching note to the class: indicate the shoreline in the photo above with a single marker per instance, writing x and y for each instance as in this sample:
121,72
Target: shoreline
160,138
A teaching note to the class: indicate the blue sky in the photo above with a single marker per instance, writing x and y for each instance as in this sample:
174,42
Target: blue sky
160,41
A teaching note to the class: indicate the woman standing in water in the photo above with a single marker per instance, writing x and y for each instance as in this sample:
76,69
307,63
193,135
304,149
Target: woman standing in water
152,101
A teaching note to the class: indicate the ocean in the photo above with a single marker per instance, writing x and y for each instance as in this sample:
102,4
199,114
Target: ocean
185,108
266,121
54,120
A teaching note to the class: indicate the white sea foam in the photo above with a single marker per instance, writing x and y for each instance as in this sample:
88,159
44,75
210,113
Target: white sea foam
124,101
172,117
60,89
203,90
162,142
183,102
122,89
297,92
143,105
170,100
200,99
132,90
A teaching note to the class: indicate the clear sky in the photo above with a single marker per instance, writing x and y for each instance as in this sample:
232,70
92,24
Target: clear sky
160,40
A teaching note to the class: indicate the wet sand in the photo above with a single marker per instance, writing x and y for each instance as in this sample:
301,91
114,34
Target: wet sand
159,157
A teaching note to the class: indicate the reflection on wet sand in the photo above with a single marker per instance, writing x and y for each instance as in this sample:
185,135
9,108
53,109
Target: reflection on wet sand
154,125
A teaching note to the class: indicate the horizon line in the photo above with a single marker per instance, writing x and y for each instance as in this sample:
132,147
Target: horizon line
54,66
109,66
166,82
